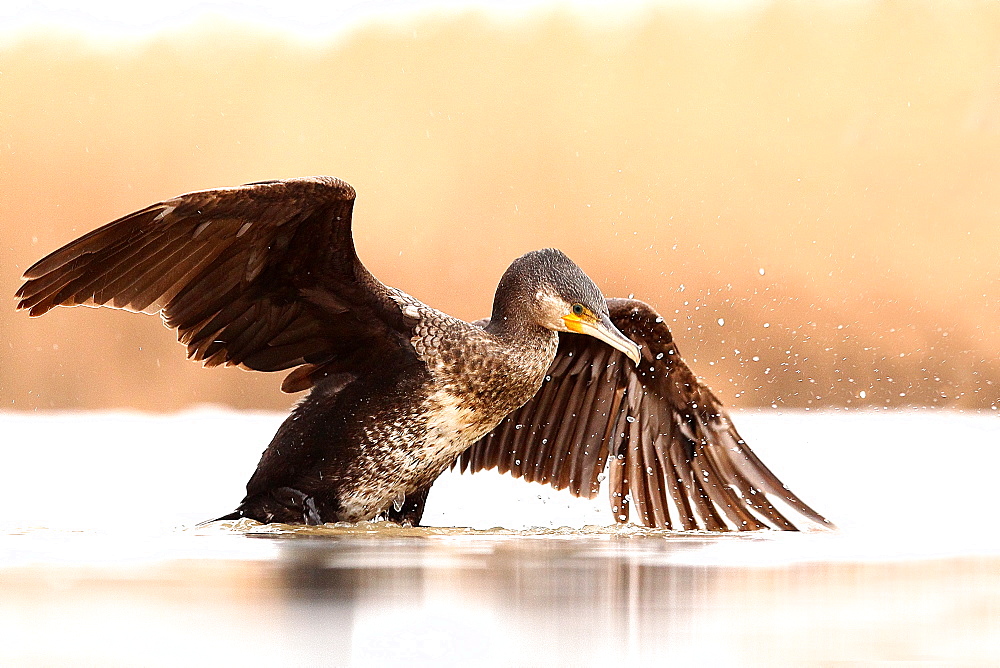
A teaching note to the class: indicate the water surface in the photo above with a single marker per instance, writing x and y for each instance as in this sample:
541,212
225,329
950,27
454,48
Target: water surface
101,562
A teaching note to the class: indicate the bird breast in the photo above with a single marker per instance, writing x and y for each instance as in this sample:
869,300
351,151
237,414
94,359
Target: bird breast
479,380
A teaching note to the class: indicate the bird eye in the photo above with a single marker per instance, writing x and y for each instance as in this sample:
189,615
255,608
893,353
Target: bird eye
577,309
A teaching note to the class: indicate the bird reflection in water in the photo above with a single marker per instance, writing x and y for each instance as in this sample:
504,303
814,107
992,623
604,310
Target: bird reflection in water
578,599
413,599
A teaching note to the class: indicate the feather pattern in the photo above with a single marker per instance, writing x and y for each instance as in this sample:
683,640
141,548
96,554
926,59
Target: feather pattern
264,276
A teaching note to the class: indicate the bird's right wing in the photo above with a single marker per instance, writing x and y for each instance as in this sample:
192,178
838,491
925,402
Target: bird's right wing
668,446
264,276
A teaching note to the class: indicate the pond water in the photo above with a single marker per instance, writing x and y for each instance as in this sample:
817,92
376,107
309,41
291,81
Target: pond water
101,562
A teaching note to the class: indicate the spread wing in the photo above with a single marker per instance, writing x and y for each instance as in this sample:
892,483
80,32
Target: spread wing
669,448
264,276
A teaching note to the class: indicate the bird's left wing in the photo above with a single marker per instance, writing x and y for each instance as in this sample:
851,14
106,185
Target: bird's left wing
670,450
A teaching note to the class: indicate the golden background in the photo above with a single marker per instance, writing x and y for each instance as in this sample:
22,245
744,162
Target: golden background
822,178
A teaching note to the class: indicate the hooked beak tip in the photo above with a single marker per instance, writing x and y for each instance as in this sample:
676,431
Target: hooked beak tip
633,354
606,331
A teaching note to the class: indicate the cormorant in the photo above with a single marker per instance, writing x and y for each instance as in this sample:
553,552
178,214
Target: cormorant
265,276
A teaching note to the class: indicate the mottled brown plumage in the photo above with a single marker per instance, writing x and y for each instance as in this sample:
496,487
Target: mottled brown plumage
265,276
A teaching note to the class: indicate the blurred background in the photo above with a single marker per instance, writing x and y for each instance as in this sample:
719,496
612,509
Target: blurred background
806,191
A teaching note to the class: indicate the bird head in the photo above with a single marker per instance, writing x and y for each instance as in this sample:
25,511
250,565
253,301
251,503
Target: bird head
560,297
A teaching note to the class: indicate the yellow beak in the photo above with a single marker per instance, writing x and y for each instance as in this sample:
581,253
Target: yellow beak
604,330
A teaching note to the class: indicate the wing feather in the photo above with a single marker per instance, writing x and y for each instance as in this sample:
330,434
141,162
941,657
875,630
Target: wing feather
586,413
264,276
652,472
550,450
618,487
146,279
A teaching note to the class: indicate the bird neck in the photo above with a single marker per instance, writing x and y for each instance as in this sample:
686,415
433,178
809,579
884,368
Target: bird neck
514,327
513,320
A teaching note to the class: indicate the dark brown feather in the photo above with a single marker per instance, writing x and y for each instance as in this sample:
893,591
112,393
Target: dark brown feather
264,276
671,453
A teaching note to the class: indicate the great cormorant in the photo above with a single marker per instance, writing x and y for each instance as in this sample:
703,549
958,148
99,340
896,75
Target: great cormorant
265,276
